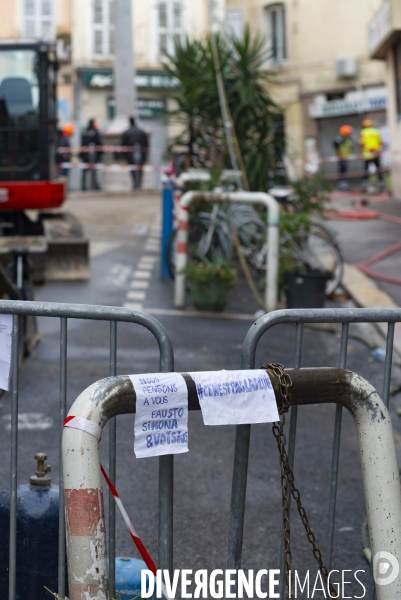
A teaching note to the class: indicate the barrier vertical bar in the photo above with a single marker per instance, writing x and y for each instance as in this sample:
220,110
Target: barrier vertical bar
12,578
388,363
336,455
112,467
291,442
238,490
166,486
166,490
238,495
63,410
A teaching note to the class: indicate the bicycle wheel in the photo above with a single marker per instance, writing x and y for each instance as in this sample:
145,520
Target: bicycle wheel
198,229
322,228
320,253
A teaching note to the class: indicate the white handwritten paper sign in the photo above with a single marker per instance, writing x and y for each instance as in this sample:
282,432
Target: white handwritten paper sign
235,397
6,327
161,420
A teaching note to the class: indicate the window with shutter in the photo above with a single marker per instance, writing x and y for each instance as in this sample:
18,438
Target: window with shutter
46,8
98,41
98,12
177,17
163,15
111,27
38,19
103,28
276,37
234,22
170,28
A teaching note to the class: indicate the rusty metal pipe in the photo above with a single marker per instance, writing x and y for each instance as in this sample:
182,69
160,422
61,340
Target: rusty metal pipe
86,541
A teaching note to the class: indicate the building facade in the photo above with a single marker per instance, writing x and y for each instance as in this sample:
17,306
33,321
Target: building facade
385,45
323,74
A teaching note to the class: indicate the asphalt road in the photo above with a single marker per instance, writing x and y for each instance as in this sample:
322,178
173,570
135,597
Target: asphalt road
123,232
363,239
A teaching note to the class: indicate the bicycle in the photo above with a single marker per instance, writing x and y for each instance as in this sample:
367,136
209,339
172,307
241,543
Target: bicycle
210,234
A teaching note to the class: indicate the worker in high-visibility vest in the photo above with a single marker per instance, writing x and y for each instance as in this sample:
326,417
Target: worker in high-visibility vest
371,147
343,146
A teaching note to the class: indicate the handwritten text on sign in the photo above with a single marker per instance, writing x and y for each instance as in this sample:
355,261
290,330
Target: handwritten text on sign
6,326
235,397
161,420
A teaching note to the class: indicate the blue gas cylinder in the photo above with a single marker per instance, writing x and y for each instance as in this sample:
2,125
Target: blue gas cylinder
128,577
37,536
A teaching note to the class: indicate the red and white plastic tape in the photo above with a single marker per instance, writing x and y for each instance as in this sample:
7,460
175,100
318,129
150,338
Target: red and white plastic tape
96,430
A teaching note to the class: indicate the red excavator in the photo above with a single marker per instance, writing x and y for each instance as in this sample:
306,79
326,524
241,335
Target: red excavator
46,244
29,177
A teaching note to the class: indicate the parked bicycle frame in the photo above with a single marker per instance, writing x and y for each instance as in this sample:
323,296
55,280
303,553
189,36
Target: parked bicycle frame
210,235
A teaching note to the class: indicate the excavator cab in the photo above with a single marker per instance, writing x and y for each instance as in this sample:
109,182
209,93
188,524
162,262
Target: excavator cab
29,178
28,127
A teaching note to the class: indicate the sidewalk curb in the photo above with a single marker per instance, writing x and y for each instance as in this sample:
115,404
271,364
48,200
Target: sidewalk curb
366,294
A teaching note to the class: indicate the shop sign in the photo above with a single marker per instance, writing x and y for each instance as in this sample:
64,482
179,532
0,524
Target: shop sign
105,79
336,108
380,26
150,108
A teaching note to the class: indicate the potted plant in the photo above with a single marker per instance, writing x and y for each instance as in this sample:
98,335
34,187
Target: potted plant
303,273
209,280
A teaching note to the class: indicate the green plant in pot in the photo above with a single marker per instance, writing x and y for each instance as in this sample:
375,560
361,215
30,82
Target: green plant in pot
209,280
304,268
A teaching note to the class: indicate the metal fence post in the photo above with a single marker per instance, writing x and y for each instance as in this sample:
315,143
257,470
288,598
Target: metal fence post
344,316
14,459
64,312
63,407
273,212
116,395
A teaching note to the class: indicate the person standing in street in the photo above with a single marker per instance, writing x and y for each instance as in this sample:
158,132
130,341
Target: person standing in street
138,141
343,146
91,140
63,157
371,148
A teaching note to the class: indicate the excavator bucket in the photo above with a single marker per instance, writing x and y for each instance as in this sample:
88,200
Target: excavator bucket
67,260
67,257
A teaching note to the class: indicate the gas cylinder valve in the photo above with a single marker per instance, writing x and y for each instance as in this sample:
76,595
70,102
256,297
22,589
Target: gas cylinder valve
41,479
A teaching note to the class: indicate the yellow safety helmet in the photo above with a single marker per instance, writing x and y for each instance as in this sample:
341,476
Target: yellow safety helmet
367,123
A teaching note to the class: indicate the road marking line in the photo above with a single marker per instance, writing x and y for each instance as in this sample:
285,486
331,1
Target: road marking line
132,295
133,305
148,258
149,263
97,249
140,285
142,274
200,314
29,421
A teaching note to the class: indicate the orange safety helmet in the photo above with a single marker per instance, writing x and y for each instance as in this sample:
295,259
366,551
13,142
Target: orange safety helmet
367,123
345,130
68,129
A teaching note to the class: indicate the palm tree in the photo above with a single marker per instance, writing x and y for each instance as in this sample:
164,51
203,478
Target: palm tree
257,119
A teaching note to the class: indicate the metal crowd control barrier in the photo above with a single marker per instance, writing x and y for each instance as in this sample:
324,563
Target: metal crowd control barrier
99,313
272,207
116,395
299,318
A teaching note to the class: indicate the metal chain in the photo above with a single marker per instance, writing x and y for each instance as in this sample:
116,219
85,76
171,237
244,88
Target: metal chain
287,477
